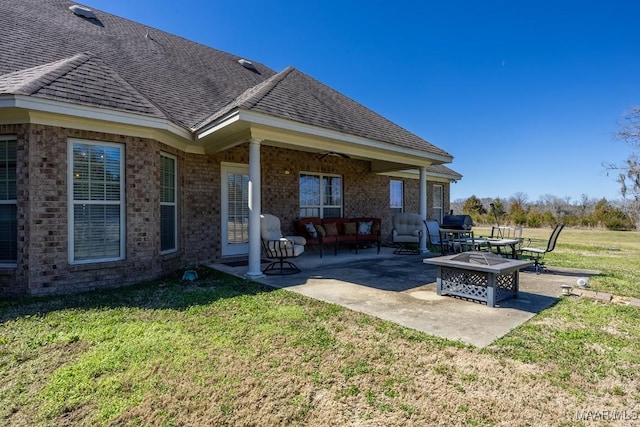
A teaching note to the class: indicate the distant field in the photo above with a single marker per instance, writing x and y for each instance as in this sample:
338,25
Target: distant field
615,253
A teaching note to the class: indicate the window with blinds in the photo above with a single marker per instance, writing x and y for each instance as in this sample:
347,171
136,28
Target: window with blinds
320,195
168,204
97,202
8,202
396,196
438,199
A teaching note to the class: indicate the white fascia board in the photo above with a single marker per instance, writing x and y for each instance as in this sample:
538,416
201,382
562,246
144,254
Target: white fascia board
415,174
220,123
87,112
289,125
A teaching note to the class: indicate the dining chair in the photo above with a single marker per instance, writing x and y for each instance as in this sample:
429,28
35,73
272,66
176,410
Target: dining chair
537,253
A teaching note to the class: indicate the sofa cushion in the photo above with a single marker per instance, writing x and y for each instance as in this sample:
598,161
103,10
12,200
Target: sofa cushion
331,229
350,228
302,222
365,227
309,228
320,229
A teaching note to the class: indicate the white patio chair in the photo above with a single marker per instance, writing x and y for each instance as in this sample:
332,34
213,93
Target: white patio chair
406,233
279,247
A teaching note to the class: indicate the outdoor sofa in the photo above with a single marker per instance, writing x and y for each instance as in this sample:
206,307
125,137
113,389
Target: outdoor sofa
352,232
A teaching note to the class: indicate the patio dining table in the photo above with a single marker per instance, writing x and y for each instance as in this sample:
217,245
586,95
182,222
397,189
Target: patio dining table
463,240
499,244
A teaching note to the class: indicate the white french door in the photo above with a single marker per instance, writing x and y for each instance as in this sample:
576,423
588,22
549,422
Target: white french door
235,209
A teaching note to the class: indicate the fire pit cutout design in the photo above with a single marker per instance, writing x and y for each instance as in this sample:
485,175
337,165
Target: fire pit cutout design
481,276
482,258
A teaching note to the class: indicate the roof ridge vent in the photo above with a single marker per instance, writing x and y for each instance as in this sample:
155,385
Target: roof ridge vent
83,12
247,64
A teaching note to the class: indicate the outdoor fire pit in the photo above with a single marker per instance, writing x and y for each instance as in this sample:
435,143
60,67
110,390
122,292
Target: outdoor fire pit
482,276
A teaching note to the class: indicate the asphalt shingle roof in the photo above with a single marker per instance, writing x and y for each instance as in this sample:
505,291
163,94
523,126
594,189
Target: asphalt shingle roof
101,86
111,62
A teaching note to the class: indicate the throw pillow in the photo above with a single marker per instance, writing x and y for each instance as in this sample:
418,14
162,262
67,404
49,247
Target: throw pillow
331,229
349,228
311,230
365,227
375,228
321,231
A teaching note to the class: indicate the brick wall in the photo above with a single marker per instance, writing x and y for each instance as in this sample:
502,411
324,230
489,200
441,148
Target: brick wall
43,245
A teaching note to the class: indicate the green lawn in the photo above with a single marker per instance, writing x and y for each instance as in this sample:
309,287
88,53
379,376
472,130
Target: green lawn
229,352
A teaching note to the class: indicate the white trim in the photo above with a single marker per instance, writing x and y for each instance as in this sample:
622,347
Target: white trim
441,195
71,201
415,174
322,206
401,207
174,203
290,125
89,112
227,249
11,202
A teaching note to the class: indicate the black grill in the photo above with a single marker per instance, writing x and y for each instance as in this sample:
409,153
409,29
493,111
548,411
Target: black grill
457,222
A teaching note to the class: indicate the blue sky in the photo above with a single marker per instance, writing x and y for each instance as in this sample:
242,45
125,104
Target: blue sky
525,95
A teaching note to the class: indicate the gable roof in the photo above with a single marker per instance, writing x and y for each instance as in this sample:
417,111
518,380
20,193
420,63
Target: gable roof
112,62
296,96
184,79
81,79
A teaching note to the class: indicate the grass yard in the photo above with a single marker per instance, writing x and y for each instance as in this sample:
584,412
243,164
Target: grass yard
229,352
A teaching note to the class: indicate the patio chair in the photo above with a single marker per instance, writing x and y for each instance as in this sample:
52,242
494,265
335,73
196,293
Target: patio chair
406,233
537,254
433,232
445,241
279,247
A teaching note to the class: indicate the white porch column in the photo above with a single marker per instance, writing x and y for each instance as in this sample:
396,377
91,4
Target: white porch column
255,209
423,207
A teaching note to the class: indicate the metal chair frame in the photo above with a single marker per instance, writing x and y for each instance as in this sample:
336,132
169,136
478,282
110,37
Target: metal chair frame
537,254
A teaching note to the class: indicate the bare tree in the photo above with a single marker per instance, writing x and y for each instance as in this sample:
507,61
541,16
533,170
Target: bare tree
628,173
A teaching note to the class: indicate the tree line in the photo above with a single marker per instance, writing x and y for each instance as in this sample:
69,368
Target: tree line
546,212
549,210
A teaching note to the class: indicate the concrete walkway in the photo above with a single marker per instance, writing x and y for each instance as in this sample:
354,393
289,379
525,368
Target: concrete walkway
402,289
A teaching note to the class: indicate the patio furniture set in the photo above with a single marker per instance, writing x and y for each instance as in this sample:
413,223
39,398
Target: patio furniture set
479,268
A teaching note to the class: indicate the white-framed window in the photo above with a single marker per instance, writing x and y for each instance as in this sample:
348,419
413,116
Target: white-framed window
396,196
96,202
8,202
320,195
168,203
438,197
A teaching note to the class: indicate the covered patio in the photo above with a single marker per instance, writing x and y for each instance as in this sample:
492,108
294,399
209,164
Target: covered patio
402,289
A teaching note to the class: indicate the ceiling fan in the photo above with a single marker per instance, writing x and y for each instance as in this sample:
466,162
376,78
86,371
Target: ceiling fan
333,154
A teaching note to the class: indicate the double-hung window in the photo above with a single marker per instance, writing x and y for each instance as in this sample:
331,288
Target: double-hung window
168,204
320,195
8,206
396,196
96,202
438,198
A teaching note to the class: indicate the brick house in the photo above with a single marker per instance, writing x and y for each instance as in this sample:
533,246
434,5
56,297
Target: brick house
127,152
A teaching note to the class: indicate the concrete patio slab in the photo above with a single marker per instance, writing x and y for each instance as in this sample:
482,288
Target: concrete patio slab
402,289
